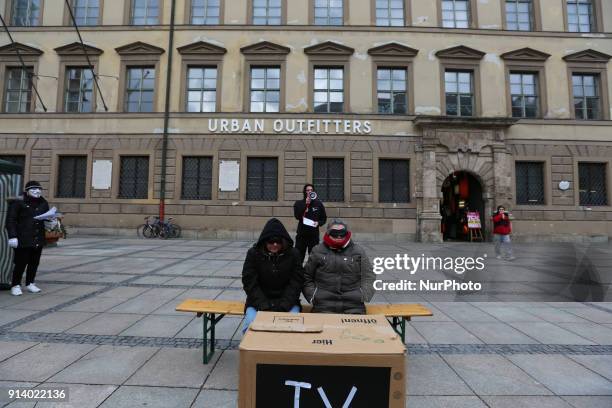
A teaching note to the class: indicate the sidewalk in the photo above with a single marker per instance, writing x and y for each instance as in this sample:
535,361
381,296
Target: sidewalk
105,326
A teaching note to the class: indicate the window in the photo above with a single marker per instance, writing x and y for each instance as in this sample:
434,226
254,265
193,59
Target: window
86,12
145,12
524,95
459,93
26,13
265,89
592,177
455,13
328,178
267,12
18,92
580,16
262,178
586,96
197,178
205,12
140,89
391,86
79,90
519,15
201,89
393,181
390,13
328,12
71,177
529,182
328,89
134,177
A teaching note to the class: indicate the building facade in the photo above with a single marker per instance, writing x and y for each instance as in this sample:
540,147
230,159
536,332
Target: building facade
403,113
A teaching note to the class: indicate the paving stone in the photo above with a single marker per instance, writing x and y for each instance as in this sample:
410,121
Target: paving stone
139,305
217,399
42,361
589,402
597,333
174,368
106,365
79,395
591,314
554,315
225,374
10,348
497,333
431,375
549,333
151,397
601,364
123,292
10,315
111,324
525,402
158,326
464,312
95,304
494,375
510,314
444,402
444,333
40,301
562,375
56,322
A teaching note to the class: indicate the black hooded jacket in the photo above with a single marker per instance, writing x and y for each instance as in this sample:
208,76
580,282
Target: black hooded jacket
273,281
20,222
315,212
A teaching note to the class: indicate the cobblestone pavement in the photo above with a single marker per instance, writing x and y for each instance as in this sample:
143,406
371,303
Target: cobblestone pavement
539,333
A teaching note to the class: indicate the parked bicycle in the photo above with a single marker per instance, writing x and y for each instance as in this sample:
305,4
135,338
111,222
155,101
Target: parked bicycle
154,227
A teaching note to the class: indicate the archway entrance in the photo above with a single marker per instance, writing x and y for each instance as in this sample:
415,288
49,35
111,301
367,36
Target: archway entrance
461,194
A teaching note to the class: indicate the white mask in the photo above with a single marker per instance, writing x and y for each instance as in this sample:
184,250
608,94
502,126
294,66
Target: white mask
35,192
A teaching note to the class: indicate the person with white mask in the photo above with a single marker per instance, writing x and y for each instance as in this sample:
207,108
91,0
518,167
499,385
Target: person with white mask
26,235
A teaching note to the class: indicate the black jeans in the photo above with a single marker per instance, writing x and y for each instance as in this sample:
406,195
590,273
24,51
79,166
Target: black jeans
304,242
29,257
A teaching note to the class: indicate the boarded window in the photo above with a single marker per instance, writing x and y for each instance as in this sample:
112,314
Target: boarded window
134,177
328,178
394,181
197,178
262,178
529,183
71,177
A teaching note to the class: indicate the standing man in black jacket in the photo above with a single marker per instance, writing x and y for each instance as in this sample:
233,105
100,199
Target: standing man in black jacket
26,235
310,213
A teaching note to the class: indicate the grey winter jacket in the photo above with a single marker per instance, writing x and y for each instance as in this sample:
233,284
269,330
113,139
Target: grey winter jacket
338,281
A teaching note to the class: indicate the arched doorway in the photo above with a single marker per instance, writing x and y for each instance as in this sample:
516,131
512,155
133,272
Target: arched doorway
461,193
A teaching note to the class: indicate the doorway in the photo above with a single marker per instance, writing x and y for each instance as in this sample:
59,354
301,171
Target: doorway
461,194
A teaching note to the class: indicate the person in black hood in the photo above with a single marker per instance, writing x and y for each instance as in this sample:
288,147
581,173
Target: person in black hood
26,235
311,215
272,275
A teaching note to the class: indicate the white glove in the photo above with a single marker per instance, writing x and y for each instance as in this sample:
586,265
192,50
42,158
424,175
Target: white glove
51,224
13,243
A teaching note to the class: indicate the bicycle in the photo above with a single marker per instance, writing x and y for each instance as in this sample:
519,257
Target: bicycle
154,227
169,230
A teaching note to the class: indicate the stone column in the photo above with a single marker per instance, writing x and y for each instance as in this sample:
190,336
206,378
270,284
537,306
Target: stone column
429,213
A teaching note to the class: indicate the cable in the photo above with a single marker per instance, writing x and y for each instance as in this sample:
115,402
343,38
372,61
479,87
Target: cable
91,68
23,65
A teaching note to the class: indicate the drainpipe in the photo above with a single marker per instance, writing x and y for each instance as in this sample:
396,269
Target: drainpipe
162,190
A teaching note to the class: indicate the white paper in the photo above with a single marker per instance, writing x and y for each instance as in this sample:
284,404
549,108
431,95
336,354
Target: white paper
309,222
49,215
229,175
102,174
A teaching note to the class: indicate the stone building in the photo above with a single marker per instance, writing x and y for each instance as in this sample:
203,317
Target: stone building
402,112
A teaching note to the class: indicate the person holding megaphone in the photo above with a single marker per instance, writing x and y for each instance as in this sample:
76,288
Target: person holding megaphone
310,213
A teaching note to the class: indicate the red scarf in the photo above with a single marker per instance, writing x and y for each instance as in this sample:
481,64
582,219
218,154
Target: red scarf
337,245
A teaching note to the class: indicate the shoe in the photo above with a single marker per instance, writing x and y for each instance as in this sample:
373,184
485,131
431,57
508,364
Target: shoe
33,288
499,257
16,291
510,258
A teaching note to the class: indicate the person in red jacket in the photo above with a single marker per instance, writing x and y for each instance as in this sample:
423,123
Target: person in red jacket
502,228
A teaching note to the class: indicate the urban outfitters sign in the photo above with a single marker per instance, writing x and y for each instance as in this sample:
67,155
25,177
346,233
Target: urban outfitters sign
298,126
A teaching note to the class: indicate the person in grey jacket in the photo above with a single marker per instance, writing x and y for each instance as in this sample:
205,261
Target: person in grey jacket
338,276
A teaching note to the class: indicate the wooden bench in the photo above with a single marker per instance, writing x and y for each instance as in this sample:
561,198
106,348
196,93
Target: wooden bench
214,310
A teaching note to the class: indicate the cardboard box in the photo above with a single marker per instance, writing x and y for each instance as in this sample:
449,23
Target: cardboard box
311,360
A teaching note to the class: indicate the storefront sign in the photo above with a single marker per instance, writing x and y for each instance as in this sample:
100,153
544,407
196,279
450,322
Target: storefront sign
297,126
473,219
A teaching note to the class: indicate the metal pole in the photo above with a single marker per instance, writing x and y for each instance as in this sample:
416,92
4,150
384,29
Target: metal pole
162,190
